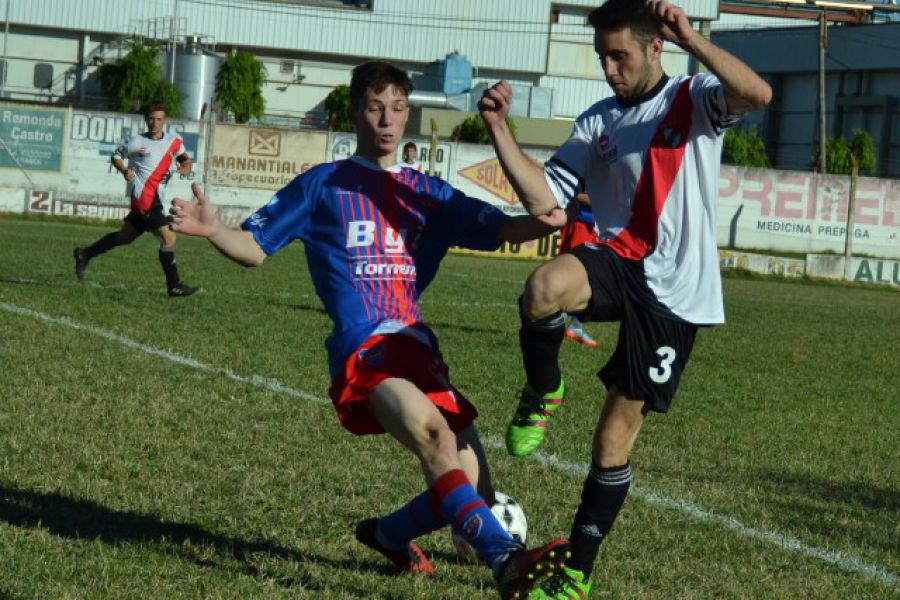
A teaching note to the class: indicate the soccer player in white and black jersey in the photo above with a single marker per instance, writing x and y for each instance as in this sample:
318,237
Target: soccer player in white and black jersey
649,159
151,157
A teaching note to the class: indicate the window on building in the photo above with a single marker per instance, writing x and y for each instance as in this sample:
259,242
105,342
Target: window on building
43,76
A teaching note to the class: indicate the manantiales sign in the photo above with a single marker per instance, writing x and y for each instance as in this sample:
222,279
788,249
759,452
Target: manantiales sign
32,138
263,158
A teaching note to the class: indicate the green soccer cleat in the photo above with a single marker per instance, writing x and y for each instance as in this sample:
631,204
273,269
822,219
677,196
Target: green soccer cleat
525,433
567,584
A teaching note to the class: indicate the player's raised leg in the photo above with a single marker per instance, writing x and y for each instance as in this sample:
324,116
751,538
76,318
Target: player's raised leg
555,287
410,417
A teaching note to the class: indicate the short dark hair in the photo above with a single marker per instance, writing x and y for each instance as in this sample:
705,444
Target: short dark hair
376,75
153,107
409,145
619,14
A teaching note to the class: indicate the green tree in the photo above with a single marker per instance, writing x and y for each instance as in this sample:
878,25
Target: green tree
744,149
837,153
239,86
472,130
136,80
337,105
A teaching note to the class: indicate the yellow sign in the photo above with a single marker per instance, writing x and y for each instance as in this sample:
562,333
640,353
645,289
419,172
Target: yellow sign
489,176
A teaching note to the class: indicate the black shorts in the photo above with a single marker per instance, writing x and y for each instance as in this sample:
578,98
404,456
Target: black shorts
148,221
654,344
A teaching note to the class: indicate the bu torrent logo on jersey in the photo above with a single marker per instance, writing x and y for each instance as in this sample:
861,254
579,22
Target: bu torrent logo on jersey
383,262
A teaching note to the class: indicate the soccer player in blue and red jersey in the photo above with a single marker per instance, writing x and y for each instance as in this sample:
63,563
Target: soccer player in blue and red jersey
375,233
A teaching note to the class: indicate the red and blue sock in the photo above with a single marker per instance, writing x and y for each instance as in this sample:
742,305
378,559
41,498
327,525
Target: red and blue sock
470,516
416,518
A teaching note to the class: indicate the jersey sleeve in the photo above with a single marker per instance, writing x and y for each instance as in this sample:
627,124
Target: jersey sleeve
709,97
284,219
181,149
467,222
566,169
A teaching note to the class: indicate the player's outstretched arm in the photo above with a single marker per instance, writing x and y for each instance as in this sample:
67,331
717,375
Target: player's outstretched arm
201,219
744,89
526,176
524,228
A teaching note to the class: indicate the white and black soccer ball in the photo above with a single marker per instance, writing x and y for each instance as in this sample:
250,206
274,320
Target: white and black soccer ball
511,517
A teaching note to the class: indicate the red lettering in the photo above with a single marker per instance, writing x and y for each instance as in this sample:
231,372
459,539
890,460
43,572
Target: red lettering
785,197
761,195
891,216
728,182
867,197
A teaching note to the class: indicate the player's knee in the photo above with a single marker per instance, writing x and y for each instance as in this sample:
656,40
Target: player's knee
544,292
435,440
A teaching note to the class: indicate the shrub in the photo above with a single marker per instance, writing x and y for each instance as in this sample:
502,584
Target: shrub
136,80
744,149
239,86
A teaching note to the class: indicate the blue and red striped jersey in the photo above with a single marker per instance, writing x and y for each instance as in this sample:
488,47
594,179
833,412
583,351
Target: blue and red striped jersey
374,239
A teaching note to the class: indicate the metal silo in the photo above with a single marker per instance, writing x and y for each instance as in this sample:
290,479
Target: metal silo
196,67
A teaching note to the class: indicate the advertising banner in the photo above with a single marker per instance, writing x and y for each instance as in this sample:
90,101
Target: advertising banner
477,173
75,205
31,138
807,212
250,157
93,136
342,145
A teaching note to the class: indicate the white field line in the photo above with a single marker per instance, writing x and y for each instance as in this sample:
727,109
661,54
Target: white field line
844,561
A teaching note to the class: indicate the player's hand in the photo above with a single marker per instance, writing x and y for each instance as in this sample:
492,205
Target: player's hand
556,218
674,25
198,218
494,104
128,175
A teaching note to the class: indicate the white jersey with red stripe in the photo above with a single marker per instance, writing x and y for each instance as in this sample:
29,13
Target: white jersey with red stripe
151,161
651,169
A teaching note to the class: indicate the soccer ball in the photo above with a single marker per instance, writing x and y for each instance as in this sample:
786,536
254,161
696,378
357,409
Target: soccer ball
511,517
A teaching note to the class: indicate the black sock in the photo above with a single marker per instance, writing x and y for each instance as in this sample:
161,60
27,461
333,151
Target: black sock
540,340
104,244
170,268
601,499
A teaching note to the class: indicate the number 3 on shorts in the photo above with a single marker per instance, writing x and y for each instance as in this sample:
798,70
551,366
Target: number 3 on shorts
663,372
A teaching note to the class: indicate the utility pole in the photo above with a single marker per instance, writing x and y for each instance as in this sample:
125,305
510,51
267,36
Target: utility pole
172,43
823,41
5,62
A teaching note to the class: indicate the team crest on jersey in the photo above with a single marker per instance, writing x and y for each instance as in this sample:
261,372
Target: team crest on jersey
373,356
673,137
606,149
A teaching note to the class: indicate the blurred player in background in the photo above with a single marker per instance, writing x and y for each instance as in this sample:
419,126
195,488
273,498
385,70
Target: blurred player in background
151,158
375,234
580,231
409,157
649,158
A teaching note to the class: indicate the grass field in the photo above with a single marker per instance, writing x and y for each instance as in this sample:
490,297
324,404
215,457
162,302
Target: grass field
184,448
